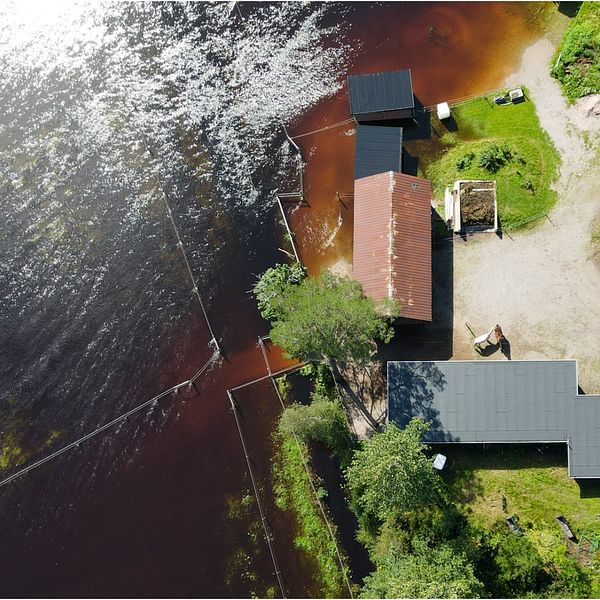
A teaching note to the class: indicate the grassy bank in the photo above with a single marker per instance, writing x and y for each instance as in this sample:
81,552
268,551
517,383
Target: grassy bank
505,143
536,489
576,63
293,492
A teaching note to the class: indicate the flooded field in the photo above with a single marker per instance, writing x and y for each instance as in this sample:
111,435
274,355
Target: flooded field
96,309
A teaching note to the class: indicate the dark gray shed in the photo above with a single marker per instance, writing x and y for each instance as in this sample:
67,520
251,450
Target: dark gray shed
378,150
500,402
381,96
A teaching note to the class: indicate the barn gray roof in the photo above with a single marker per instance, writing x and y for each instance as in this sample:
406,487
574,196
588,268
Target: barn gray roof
500,402
380,92
378,150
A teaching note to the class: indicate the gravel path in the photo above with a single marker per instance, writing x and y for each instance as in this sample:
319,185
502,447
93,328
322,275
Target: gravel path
541,286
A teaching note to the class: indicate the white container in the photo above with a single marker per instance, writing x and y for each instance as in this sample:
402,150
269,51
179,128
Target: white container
439,462
443,111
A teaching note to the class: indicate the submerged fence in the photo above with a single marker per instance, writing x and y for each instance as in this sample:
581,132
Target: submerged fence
180,244
272,376
189,383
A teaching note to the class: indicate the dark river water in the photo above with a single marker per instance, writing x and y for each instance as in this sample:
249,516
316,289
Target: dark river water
96,309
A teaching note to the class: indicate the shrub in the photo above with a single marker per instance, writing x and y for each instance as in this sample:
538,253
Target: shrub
322,421
494,157
527,185
320,373
466,161
520,567
437,572
271,288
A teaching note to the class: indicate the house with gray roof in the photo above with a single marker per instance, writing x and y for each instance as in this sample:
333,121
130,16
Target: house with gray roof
499,402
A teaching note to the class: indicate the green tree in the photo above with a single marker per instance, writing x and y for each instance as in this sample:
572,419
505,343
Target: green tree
329,318
271,288
390,474
437,572
520,567
322,421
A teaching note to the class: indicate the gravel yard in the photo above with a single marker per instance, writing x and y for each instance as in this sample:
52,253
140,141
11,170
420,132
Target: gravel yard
542,286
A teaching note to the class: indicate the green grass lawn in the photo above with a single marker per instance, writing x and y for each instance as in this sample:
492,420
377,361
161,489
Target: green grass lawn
529,168
537,489
576,63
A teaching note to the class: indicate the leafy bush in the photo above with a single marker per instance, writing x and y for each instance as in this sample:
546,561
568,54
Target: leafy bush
466,161
391,474
437,572
520,567
494,157
273,285
320,373
434,524
283,385
322,421
527,185
570,580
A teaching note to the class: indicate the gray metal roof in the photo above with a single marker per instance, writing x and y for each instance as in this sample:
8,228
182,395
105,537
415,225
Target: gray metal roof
379,92
500,402
378,150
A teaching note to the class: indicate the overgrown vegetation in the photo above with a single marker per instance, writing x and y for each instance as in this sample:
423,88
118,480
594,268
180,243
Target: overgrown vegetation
427,572
321,377
329,321
505,143
576,63
536,488
456,543
323,421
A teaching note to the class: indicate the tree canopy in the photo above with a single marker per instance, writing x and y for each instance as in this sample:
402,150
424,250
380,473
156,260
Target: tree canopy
322,421
390,474
437,572
329,318
271,288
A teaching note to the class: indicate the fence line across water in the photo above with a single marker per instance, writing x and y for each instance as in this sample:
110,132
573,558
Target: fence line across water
263,518
312,485
180,245
88,436
272,376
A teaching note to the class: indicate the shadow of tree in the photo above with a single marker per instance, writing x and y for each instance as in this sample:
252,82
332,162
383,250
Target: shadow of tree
363,392
412,389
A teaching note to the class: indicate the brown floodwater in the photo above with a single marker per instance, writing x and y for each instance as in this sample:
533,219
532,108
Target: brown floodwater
177,519
454,50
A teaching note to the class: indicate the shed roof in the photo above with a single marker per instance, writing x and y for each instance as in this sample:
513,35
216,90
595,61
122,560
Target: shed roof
500,402
378,149
392,241
379,92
